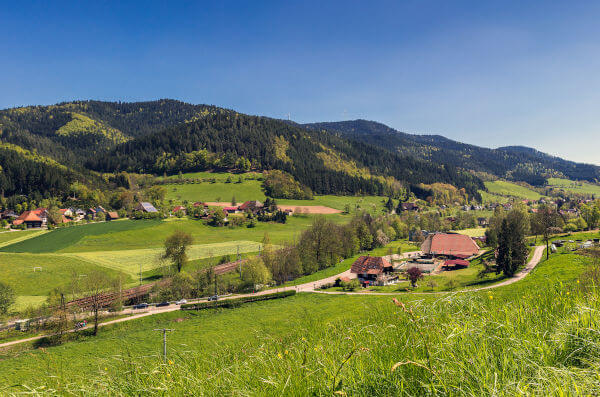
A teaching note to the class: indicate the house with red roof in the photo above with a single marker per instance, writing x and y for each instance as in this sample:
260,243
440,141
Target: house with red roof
179,208
31,219
252,206
371,270
452,245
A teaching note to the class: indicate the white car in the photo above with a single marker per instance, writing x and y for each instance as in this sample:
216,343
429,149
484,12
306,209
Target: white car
181,302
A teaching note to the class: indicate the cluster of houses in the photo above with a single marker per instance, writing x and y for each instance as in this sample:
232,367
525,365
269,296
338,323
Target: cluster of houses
439,252
38,218
252,206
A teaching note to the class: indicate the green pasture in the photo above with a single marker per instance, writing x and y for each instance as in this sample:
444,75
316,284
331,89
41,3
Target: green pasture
472,232
31,284
141,234
356,203
580,187
506,188
540,334
218,191
129,261
7,238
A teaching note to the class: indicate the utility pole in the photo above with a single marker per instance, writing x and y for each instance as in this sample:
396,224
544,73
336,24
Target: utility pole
239,261
164,331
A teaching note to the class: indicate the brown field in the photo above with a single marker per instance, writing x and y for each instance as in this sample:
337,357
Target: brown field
307,209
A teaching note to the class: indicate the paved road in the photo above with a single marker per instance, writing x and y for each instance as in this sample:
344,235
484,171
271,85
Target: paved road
306,287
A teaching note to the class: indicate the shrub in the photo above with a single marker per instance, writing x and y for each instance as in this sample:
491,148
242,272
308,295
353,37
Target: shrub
237,302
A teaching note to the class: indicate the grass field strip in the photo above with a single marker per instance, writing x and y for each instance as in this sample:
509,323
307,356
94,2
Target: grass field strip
24,237
129,261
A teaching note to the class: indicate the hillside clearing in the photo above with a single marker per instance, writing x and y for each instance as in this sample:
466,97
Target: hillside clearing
505,188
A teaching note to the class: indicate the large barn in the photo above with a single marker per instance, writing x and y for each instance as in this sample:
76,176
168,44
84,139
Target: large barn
450,245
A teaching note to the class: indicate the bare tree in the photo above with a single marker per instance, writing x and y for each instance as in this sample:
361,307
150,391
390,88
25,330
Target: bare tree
97,284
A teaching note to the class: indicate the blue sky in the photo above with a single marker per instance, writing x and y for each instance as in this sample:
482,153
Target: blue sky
489,73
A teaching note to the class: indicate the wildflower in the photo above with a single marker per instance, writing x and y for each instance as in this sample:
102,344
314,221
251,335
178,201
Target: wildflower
279,355
491,297
286,352
106,369
577,281
170,362
168,375
567,292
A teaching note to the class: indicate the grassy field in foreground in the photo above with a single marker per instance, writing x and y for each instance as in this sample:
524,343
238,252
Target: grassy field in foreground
538,336
574,186
128,261
505,188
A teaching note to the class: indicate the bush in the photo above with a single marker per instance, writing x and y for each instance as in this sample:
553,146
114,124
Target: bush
236,302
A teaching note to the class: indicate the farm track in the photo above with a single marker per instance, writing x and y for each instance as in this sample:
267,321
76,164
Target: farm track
306,287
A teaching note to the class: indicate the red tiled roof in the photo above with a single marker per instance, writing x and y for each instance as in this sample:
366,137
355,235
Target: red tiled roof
230,208
179,208
369,264
449,244
28,216
113,215
457,262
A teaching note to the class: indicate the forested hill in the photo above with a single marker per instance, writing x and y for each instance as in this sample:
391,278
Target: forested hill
71,132
513,162
324,162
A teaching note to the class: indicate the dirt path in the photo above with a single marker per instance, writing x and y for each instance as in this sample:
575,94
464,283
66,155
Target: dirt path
306,287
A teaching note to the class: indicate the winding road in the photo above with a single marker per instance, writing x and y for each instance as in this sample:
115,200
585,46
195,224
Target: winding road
306,287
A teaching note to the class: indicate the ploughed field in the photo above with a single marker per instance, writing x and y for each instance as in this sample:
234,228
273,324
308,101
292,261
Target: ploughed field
537,336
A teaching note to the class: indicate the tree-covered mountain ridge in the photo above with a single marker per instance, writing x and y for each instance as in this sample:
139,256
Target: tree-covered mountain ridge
517,163
169,136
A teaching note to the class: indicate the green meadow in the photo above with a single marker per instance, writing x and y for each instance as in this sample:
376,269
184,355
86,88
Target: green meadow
505,188
21,271
7,238
538,336
129,261
580,187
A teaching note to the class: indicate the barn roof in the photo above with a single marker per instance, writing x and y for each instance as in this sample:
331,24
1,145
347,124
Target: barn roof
450,244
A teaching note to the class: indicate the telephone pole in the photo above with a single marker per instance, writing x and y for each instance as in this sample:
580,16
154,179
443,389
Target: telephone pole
164,331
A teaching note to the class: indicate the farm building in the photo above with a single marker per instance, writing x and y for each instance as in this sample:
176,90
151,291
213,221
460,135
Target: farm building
450,245
455,264
371,270
112,215
178,208
145,207
30,219
252,206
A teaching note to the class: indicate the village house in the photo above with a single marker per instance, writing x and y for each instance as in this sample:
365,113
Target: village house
371,270
451,245
31,219
8,214
231,210
112,215
145,207
483,222
178,208
252,206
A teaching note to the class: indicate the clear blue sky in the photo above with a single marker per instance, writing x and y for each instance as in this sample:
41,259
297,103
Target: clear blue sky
488,73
